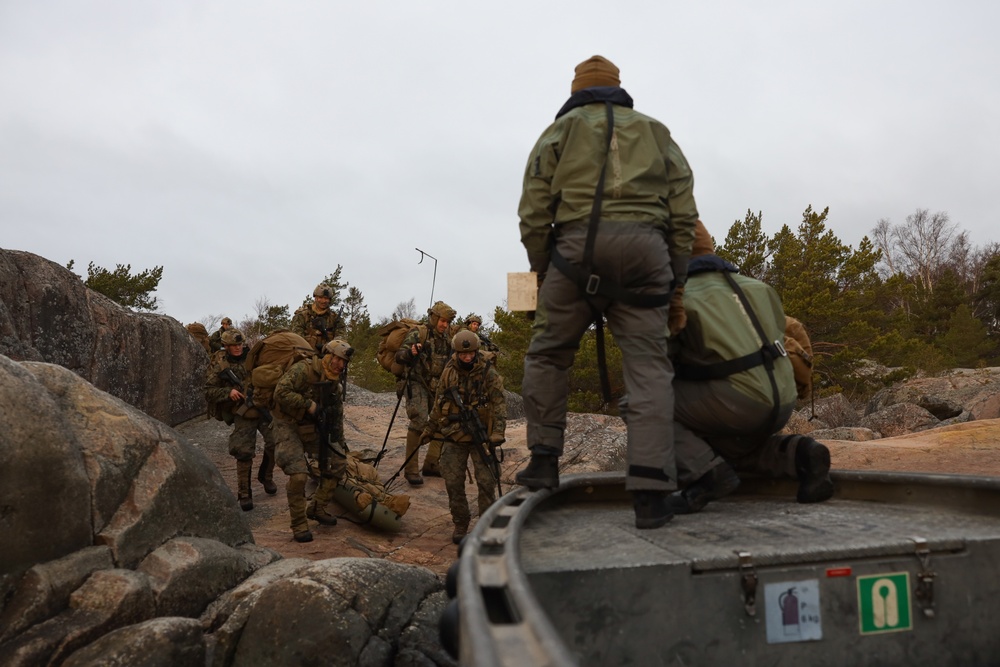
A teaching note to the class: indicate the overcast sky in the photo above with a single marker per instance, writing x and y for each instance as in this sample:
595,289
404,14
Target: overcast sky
250,147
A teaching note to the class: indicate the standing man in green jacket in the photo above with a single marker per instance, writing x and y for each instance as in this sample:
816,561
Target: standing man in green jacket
607,217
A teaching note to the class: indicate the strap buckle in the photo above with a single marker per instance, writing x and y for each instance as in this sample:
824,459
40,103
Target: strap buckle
593,283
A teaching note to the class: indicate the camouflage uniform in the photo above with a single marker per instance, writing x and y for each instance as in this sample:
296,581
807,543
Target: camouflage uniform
247,422
296,435
481,389
317,328
426,368
484,342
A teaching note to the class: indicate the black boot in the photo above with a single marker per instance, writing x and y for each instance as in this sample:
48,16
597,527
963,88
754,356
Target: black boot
718,482
652,509
542,471
812,465
265,474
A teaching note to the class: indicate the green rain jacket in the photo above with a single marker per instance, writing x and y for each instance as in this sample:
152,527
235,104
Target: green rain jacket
647,178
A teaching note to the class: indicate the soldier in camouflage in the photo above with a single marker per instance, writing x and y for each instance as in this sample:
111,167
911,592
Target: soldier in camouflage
227,402
316,322
215,340
474,323
297,396
426,350
480,389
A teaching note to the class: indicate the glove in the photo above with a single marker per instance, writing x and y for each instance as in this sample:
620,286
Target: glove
676,317
426,437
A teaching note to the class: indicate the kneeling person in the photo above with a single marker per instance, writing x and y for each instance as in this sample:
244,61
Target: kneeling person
736,386
309,417
469,414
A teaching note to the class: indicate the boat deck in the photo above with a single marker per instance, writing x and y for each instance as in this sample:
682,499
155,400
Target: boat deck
563,577
775,530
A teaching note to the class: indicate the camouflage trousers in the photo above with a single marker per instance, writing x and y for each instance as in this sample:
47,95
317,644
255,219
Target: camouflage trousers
293,441
418,407
453,463
733,425
243,439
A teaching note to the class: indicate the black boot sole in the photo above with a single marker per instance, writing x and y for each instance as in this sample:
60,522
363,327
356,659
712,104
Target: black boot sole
815,485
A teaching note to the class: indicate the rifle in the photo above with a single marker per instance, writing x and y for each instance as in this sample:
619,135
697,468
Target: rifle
490,345
229,377
327,428
473,425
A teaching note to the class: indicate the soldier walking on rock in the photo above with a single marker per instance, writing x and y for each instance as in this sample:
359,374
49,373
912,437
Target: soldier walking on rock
316,322
215,340
470,416
225,384
309,416
425,350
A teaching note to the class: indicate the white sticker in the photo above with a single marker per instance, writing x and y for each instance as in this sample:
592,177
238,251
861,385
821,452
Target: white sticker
792,611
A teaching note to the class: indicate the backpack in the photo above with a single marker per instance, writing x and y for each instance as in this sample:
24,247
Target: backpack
799,349
391,338
200,333
268,360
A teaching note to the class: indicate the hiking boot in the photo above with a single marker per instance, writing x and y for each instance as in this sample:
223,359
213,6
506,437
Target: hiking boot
265,474
430,472
414,479
243,493
542,471
320,515
459,533
812,465
303,536
652,509
717,483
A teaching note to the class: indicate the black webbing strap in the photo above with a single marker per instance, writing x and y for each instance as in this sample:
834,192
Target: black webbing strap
723,369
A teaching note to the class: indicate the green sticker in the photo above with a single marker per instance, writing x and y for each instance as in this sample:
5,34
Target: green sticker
884,603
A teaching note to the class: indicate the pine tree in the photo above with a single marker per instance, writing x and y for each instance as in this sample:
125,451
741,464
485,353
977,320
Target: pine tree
131,291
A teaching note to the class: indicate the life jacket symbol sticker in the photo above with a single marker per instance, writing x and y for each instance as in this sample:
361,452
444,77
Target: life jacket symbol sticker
792,611
884,603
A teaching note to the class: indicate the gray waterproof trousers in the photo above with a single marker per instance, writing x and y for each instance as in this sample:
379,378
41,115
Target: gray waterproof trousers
635,256
736,427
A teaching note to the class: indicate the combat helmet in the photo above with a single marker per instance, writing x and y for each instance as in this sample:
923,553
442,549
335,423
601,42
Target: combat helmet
232,336
473,318
339,348
323,290
465,341
440,310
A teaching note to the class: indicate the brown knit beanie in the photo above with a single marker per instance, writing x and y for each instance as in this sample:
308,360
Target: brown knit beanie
595,71
702,241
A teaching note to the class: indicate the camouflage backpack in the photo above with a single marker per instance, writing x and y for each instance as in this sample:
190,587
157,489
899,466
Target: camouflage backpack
200,333
391,338
268,360
799,349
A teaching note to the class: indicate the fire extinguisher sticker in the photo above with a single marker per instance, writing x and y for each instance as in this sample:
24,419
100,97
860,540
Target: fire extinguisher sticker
792,611
884,603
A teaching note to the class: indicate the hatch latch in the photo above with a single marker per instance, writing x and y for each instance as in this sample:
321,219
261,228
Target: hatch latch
924,590
748,582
